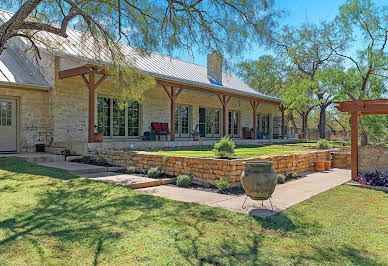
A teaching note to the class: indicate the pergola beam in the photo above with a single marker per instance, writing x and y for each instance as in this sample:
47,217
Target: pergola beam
68,73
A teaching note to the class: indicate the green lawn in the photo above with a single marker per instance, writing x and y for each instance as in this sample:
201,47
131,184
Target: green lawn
52,217
242,151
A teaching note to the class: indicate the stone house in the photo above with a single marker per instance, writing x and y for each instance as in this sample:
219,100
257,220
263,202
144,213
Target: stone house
58,100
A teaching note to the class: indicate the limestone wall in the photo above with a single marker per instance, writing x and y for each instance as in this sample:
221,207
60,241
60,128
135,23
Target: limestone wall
208,170
34,113
372,158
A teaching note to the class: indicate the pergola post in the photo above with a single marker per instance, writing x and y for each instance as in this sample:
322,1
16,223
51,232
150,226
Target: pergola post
281,108
357,108
254,105
355,118
224,101
173,96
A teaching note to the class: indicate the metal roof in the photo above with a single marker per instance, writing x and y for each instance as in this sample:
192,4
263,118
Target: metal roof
83,46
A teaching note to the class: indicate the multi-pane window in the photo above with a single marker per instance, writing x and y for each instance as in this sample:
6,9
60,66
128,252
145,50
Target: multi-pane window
182,120
212,122
233,123
5,113
265,124
117,121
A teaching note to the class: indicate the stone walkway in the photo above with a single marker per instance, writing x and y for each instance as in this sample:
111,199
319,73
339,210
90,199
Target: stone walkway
131,181
285,195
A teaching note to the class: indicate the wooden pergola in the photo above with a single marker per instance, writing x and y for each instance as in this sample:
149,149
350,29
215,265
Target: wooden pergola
172,88
355,109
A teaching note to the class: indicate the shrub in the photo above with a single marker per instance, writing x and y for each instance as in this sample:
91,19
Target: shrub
222,185
293,176
323,144
373,179
155,172
102,161
87,159
224,148
281,178
131,169
67,152
183,181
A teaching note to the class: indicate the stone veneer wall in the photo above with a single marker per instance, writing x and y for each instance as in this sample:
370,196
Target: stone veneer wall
35,115
372,158
208,170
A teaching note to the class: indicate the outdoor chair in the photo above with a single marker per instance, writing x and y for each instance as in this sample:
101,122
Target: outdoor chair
247,133
160,129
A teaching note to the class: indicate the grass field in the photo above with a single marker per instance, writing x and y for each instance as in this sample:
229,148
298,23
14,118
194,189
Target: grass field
242,151
52,217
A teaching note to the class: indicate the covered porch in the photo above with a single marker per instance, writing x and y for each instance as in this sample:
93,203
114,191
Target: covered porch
214,112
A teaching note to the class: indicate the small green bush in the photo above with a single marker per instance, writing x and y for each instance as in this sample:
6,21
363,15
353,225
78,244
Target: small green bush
323,144
87,158
222,185
131,169
155,172
281,178
224,148
183,181
293,176
67,152
102,161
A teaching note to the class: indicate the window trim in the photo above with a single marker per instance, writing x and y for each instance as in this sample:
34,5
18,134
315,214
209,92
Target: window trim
140,130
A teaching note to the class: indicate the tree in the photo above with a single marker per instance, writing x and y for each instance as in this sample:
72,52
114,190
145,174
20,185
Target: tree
363,20
223,26
306,47
269,76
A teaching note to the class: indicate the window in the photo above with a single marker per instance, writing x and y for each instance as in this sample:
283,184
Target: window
233,124
265,124
210,121
5,113
182,120
117,122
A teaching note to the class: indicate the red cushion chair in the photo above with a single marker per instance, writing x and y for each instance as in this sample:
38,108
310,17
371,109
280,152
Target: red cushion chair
164,128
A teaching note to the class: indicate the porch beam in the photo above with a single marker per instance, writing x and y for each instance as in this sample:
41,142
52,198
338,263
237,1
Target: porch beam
68,73
192,87
254,105
355,118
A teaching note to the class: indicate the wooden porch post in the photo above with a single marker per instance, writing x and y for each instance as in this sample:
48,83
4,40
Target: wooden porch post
91,85
173,96
224,101
283,121
355,118
254,106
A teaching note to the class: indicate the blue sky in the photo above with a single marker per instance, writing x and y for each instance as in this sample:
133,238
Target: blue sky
299,11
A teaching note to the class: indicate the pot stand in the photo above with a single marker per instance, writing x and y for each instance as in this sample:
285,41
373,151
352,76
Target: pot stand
262,202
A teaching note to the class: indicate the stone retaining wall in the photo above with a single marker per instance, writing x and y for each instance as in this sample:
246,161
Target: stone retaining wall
372,158
341,159
208,170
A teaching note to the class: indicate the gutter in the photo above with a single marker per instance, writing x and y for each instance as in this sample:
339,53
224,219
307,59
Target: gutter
15,85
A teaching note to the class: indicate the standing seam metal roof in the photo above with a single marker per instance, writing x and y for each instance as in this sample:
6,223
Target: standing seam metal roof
80,45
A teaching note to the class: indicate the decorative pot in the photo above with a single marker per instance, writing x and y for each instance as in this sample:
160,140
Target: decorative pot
98,137
259,180
195,137
327,165
319,166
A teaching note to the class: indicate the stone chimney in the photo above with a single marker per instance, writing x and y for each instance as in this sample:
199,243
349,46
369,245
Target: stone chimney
214,68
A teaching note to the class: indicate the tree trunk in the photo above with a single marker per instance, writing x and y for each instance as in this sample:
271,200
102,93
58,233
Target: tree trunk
322,122
290,117
364,138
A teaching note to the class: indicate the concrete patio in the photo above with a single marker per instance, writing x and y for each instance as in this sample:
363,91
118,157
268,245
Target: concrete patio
285,195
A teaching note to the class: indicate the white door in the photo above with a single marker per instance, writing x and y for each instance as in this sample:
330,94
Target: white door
7,125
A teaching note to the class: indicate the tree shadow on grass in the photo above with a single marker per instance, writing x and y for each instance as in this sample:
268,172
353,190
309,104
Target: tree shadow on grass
100,215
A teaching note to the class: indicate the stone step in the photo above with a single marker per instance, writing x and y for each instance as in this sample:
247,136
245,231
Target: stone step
130,181
80,168
40,157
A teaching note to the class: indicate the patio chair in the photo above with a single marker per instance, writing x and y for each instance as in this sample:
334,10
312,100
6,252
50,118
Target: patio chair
164,129
247,133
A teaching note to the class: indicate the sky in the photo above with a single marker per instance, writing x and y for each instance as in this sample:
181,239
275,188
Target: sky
299,11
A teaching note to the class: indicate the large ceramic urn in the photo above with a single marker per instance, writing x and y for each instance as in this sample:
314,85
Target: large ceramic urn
259,180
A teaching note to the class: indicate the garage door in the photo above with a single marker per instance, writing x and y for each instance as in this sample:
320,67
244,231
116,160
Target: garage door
7,125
